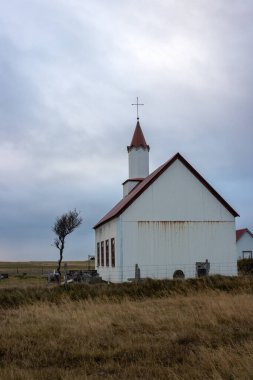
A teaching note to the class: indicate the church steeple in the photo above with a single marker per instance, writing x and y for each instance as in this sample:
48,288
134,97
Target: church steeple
138,155
138,160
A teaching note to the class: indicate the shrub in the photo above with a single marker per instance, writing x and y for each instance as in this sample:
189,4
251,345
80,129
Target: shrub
15,297
245,266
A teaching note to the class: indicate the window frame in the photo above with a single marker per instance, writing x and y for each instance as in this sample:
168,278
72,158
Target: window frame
113,252
98,254
249,254
102,254
107,252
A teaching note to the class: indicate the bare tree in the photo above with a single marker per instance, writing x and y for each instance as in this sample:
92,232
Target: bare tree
63,226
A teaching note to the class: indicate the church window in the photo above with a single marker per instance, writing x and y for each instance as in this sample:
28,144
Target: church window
247,254
98,254
102,254
107,253
113,252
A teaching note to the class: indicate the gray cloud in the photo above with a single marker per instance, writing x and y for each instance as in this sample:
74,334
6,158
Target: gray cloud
68,75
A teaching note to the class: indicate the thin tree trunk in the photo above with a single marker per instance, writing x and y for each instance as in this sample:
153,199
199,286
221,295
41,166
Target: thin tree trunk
60,260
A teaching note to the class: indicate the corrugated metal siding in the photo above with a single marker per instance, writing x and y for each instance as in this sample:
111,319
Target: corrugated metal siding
177,195
158,243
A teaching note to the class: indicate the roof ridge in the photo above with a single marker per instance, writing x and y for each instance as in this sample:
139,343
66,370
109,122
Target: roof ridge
241,232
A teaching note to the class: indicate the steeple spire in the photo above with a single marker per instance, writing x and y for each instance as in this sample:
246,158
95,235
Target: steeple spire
138,139
138,160
138,157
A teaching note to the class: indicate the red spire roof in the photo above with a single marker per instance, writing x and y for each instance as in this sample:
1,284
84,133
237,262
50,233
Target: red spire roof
138,139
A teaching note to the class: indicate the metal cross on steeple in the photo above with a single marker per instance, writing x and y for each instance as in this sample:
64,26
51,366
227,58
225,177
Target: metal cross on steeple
137,104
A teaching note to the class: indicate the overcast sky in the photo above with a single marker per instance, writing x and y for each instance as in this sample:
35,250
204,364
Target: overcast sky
69,71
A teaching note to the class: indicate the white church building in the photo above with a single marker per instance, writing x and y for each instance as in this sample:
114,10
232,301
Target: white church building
170,223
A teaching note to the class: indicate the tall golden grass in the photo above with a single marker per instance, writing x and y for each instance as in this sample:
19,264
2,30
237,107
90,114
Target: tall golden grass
200,335
42,267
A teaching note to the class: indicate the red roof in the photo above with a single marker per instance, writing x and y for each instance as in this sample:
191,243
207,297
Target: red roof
241,232
140,188
138,139
133,180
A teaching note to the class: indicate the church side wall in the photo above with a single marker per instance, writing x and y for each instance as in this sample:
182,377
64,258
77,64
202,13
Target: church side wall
104,233
245,243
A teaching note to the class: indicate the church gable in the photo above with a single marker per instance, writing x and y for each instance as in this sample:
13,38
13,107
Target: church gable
143,193
178,195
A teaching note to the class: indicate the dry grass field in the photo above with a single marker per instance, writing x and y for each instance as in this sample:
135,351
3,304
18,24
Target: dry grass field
197,329
34,273
41,267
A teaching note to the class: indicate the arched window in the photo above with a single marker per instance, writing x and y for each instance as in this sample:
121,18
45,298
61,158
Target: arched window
178,274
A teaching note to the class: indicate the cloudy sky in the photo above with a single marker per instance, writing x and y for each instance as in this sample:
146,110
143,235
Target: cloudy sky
69,71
